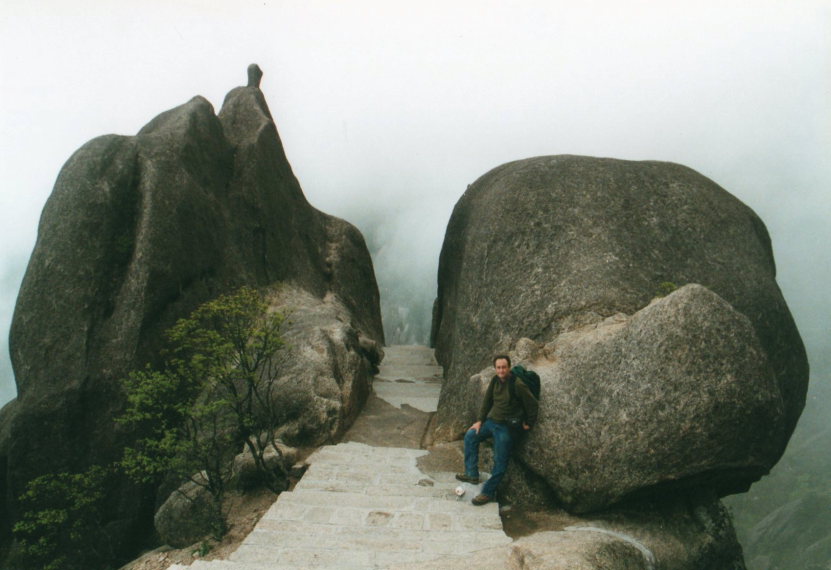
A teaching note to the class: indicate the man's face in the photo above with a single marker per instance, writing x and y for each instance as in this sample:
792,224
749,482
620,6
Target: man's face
502,368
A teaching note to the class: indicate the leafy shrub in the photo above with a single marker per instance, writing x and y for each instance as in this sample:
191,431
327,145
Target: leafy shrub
213,396
61,526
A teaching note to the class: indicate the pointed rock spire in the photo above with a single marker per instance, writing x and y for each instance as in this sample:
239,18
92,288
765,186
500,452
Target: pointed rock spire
255,74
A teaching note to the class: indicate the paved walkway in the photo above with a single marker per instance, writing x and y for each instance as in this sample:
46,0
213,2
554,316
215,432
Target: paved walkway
361,506
409,375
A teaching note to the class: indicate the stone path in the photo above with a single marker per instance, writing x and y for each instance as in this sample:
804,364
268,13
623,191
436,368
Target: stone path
361,506
409,375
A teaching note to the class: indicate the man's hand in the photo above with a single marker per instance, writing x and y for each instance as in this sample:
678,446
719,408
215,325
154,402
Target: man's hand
525,426
475,427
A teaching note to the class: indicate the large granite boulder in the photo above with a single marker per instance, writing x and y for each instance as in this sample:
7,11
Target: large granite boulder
140,230
680,394
7,414
186,516
542,247
325,372
279,460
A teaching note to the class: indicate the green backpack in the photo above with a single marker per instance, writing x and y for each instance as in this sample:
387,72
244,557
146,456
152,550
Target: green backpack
528,377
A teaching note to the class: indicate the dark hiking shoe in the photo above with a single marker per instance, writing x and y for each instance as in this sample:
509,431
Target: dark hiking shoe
464,477
480,500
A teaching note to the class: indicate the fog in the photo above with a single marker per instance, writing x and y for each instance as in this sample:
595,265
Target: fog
388,110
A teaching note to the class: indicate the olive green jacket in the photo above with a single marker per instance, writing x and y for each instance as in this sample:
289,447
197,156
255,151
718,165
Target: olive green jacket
500,407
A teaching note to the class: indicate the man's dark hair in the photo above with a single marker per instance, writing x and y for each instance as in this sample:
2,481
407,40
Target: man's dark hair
502,357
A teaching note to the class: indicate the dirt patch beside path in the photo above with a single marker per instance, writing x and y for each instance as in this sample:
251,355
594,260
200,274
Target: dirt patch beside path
383,425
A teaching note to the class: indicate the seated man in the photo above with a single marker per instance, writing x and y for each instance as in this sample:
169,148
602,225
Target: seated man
502,408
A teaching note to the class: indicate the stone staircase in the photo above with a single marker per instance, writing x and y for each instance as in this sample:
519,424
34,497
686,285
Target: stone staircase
360,506
409,375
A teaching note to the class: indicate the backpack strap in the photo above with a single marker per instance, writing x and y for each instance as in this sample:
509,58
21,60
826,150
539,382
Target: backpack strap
512,386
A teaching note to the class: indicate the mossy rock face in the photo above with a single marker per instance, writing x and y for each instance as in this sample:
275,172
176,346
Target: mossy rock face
547,248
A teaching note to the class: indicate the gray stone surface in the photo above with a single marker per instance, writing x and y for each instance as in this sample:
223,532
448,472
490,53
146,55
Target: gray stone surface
324,376
409,374
686,533
404,399
537,247
7,415
359,506
362,506
551,550
185,516
138,231
411,363
246,476
678,396
370,508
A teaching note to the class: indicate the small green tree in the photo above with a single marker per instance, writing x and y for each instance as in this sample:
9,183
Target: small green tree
214,395
61,526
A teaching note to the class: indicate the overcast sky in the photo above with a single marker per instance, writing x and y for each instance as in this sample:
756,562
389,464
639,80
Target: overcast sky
388,109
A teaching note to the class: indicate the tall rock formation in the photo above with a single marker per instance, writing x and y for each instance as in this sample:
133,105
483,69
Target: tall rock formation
140,230
555,259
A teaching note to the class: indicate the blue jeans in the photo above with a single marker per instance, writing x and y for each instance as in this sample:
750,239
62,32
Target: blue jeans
502,443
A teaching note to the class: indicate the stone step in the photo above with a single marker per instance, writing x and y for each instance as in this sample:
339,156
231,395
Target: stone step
324,507
352,452
381,488
409,375
419,361
229,565
409,372
452,526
